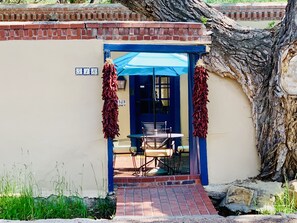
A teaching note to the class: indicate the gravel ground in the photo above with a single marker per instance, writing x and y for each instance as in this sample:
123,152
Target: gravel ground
185,219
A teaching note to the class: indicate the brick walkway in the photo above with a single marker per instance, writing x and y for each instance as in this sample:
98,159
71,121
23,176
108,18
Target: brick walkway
164,200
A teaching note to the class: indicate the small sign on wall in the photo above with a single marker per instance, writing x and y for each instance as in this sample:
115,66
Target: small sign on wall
86,71
121,102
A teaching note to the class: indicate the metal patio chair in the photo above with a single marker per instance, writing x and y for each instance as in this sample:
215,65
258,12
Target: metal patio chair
158,146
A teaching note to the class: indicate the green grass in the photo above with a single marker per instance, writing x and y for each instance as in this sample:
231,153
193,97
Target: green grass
19,202
26,207
285,203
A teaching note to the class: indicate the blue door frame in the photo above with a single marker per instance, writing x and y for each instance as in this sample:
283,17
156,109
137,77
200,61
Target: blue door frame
198,156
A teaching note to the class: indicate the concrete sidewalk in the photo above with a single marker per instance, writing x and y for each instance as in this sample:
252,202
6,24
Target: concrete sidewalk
174,219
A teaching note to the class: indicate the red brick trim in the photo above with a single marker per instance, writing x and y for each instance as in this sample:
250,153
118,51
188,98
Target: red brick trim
117,12
102,30
253,12
156,180
68,12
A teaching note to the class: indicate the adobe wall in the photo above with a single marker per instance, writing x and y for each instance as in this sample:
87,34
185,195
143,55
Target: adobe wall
117,12
52,116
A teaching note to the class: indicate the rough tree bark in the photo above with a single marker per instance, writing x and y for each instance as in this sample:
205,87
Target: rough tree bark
263,62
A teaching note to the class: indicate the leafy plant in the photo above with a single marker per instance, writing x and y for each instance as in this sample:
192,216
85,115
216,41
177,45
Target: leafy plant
203,19
271,24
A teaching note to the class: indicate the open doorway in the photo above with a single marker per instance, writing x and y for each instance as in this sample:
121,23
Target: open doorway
152,96
167,92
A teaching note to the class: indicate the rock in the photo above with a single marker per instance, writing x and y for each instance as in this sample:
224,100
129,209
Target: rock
247,196
265,202
268,187
217,191
266,192
239,195
238,199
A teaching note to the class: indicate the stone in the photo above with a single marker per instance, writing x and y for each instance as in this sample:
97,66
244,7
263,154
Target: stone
246,196
265,202
268,187
217,191
238,200
239,195
266,192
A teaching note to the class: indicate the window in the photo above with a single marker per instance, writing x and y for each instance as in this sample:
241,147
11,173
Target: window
162,93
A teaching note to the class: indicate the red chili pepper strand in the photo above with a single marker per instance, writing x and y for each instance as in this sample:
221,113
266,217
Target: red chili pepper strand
110,107
200,99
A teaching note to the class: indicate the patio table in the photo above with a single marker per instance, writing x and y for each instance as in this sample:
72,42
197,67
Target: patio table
156,135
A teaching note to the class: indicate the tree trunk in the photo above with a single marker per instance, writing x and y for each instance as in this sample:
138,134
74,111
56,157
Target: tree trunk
263,62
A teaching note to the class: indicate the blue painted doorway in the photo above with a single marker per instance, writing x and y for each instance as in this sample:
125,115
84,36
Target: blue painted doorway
197,146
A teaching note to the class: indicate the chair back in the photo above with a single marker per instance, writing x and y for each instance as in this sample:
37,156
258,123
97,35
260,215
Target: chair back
157,142
149,127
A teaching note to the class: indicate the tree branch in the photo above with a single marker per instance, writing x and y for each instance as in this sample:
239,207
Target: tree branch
241,53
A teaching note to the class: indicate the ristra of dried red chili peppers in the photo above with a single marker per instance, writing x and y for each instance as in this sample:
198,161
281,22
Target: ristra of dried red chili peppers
110,111
200,99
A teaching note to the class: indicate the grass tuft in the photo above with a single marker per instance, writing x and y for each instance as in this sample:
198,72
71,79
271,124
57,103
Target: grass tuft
285,203
18,201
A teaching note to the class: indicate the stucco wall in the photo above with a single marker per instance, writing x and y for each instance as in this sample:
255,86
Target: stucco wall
231,145
184,104
50,118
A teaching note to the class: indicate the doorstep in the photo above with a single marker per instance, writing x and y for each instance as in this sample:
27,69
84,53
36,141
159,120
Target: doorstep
149,181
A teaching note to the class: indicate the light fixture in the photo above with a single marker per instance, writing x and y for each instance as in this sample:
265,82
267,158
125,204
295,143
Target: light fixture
121,83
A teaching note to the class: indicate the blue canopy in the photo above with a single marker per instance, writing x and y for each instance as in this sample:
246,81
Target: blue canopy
159,64
155,64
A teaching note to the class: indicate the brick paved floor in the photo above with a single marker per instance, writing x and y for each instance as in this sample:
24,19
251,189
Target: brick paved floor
175,200
124,165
